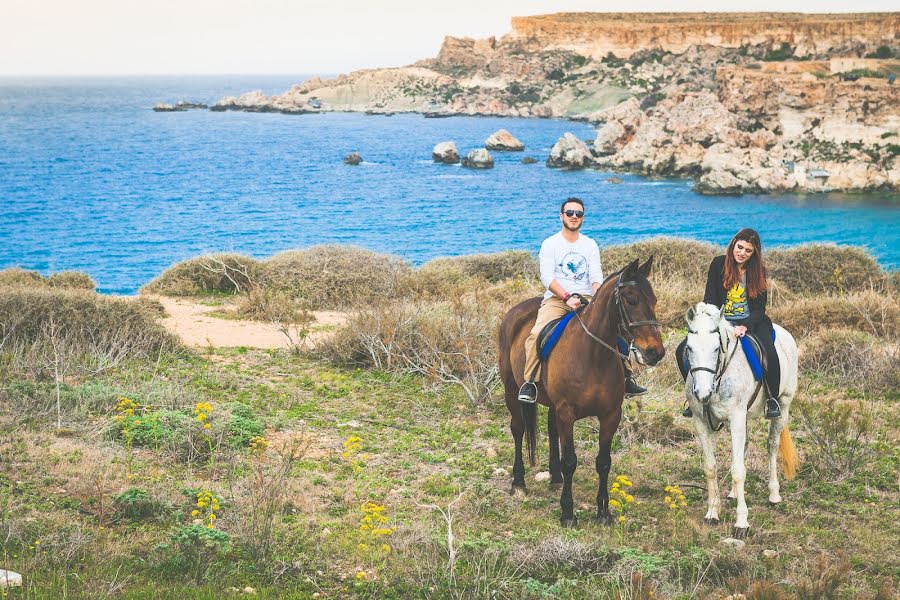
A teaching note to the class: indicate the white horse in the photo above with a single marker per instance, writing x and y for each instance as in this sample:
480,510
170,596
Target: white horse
720,388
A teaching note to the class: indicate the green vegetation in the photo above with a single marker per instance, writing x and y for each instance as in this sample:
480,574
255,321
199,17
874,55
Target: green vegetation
882,52
784,52
342,471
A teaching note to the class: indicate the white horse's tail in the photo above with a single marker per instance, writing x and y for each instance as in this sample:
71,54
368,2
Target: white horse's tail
787,453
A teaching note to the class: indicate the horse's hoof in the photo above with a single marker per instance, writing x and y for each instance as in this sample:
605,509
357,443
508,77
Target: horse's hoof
604,519
731,498
775,499
711,522
739,533
569,522
518,491
555,486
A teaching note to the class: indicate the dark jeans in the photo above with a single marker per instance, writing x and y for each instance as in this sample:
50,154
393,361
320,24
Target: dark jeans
763,333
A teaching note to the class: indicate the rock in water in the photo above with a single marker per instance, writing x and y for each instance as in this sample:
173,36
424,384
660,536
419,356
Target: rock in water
504,141
353,158
446,153
615,180
163,107
478,159
529,160
10,579
569,153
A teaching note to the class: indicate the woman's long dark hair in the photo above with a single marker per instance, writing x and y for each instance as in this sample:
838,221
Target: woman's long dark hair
755,267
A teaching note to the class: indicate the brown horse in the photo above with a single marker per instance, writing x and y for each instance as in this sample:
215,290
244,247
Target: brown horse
583,377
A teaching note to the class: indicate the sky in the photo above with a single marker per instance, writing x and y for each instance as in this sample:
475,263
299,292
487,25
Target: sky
123,37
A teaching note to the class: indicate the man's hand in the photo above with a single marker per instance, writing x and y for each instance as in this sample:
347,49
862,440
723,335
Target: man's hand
740,330
574,302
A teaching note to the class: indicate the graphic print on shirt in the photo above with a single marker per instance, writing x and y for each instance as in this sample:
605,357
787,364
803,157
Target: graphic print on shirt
573,266
736,302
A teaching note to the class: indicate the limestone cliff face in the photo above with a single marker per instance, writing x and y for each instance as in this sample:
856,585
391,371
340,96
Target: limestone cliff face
597,34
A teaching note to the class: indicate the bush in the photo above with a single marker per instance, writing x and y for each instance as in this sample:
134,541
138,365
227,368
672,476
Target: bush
265,304
448,342
824,268
335,277
76,328
673,258
854,359
445,276
869,311
213,273
192,549
73,280
243,426
66,279
15,276
136,504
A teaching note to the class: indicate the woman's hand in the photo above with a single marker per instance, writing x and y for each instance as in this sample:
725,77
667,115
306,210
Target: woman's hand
573,302
740,330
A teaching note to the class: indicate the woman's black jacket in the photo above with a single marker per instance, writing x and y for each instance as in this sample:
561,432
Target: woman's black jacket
757,322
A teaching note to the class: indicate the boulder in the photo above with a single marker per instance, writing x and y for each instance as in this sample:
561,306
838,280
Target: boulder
610,138
719,181
479,158
354,158
446,153
504,141
700,118
528,160
615,180
628,114
163,107
569,152
10,579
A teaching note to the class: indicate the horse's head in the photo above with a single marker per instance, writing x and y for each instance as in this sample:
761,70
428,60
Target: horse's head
637,311
704,348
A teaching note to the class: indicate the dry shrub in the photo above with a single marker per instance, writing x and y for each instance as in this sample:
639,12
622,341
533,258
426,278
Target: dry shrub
556,553
673,299
827,576
79,327
840,432
66,279
336,277
73,280
15,276
446,276
869,310
448,342
824,268
854,359
224,273
266,304
674,258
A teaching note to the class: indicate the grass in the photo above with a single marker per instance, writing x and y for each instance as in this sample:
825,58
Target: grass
85,514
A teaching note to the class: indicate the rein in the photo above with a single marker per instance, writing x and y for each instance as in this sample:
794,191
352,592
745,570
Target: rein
625,322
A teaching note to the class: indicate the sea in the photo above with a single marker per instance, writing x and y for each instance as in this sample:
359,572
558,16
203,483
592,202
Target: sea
92,180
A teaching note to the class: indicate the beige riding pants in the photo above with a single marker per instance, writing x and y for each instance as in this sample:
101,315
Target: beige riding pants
551,308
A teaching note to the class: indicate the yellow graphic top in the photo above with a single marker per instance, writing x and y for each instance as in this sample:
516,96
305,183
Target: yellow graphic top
736,303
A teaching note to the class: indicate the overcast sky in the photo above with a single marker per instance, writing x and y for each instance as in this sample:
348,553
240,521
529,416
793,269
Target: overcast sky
99,37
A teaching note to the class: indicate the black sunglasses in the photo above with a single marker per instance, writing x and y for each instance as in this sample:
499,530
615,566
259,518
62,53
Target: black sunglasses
574,213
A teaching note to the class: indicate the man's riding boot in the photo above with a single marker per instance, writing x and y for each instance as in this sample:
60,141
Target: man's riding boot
528,392
773,409
631,386
687,412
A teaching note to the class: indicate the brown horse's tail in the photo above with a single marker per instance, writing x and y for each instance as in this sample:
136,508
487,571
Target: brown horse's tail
787,453
529,415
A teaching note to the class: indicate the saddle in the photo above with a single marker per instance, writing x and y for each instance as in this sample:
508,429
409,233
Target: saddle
551,333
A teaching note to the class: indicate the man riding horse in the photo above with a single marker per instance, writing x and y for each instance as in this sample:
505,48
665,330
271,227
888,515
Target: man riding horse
570,268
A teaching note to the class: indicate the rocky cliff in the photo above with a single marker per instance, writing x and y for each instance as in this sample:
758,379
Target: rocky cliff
623,34
808,102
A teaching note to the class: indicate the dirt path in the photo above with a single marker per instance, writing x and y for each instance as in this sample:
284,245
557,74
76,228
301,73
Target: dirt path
192,322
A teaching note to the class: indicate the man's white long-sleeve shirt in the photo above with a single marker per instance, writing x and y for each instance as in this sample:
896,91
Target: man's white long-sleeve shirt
575,266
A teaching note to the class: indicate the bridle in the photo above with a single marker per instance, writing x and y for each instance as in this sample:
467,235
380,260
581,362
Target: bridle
625,322
721,366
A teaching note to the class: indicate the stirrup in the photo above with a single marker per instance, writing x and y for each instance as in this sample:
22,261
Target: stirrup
773,408
528,393
687,412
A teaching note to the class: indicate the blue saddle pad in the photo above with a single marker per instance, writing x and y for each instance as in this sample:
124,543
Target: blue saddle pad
555,335
752,359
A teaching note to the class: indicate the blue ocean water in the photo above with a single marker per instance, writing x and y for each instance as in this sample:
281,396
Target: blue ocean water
91,179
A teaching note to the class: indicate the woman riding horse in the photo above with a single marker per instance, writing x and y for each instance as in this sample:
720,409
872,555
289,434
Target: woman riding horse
736,283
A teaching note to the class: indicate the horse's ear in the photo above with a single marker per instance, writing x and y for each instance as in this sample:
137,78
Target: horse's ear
645,268
691,313
631,266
